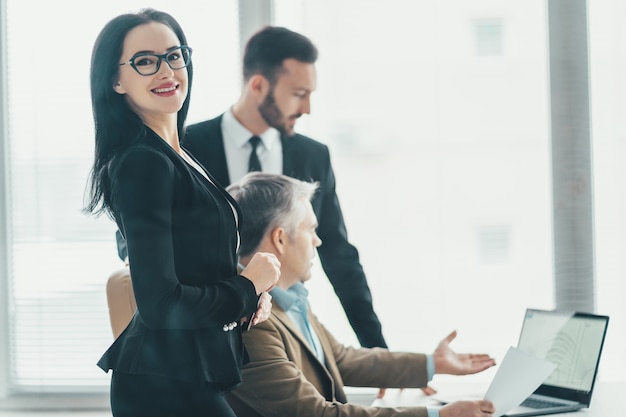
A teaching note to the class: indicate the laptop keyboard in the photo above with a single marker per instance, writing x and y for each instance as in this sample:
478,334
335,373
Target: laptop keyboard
538,404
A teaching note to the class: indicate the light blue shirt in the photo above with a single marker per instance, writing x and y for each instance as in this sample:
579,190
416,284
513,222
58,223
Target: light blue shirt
430,371
294,302
432,412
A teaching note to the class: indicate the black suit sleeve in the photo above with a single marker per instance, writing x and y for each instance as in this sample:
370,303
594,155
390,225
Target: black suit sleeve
145,200
340,260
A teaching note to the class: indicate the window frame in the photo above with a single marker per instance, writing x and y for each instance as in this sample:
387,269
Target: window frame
570,114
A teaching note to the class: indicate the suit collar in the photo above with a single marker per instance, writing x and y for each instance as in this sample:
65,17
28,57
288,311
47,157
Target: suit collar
331,371
214,184
213,148
176,158
287,143
238,134
284,318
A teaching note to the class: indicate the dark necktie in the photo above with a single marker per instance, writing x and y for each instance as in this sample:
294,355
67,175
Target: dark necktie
254,164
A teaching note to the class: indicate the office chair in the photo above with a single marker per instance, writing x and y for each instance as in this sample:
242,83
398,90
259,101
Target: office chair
121,300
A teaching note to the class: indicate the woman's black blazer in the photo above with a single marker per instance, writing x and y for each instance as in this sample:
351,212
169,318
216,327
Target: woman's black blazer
182,239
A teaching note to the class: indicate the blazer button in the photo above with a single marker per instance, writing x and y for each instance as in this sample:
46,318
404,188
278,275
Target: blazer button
230,326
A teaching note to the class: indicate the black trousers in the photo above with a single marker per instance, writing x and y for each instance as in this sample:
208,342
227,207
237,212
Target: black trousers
156,396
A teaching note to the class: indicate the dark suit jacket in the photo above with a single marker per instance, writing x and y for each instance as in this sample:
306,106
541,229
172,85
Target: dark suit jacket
285,378
182,239
307,160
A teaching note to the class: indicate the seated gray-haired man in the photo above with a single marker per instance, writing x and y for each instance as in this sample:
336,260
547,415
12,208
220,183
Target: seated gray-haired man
297,368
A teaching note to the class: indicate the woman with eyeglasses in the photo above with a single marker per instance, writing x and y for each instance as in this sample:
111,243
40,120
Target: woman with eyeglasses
182,350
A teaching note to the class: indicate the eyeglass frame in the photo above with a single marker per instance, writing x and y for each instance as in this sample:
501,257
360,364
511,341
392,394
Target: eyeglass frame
160,57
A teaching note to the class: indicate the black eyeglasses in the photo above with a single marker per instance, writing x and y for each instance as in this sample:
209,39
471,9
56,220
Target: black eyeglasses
149,64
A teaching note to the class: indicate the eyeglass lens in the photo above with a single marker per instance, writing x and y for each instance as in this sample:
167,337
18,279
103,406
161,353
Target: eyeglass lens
148,64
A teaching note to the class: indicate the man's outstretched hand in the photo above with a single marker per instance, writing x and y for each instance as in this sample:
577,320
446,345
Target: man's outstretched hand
451,363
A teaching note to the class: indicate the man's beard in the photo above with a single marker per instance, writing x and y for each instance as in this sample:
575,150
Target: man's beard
273,116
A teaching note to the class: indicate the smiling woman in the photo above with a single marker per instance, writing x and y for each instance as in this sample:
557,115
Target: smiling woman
182,350
53,317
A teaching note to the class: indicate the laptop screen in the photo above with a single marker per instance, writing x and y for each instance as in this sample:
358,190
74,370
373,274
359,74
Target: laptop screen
573,341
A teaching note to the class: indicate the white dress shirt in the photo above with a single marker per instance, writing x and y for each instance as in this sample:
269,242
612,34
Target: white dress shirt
237,148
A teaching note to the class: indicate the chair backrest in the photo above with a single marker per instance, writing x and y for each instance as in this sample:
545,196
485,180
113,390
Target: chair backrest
121,300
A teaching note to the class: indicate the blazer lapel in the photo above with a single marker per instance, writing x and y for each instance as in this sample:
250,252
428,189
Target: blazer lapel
206,143
331,363
334,378
288,157
282,316
215,184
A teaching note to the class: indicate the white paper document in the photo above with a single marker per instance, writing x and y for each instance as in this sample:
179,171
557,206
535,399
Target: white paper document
518,375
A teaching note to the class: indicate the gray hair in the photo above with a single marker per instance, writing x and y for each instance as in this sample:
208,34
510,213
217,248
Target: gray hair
267,201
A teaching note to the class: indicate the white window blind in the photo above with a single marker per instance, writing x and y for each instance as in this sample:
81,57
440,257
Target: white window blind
59,259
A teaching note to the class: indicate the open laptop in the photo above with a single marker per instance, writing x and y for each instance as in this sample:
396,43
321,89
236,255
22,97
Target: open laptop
573,341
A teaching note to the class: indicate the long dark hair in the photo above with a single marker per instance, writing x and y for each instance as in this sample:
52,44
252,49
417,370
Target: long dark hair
117,126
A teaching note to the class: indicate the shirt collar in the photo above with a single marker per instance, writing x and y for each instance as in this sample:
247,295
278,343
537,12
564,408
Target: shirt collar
295,297
239,135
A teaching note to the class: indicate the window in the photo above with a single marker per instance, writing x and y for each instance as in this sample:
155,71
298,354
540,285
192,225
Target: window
443,163
608,99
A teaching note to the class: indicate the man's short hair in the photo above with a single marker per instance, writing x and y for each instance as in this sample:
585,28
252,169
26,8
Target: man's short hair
268,201
266,50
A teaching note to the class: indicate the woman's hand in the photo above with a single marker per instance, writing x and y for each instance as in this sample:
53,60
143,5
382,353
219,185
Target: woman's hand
263,270
449,362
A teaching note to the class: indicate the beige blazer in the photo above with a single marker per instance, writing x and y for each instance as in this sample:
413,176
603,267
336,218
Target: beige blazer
285,378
